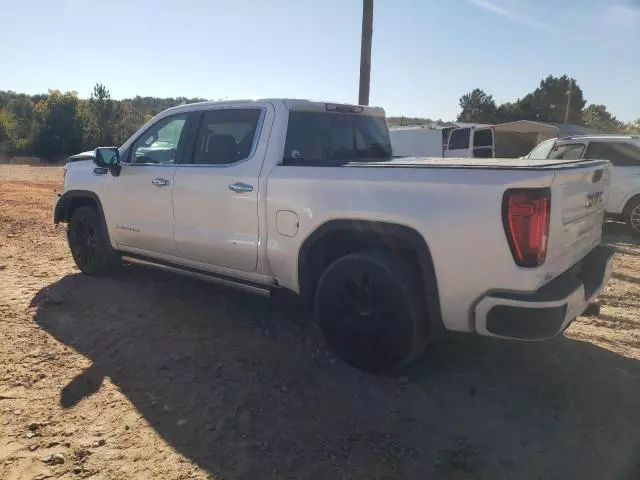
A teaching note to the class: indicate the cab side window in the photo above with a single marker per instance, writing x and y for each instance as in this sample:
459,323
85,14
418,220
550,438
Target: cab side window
620,154
158,145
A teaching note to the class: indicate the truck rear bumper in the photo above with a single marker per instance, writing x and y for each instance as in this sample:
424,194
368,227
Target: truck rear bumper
549,310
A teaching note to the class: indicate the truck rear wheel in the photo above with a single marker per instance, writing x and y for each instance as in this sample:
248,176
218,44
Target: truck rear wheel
371,311
89,243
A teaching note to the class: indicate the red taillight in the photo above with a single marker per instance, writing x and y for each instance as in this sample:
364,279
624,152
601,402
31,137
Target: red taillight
525,213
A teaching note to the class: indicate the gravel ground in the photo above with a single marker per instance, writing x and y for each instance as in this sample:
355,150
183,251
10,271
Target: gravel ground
147,375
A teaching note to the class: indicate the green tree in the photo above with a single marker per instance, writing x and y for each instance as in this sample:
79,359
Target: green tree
548,102
104,112
477,107
632,127
58,129
129,121
510,112
8,131
597,116
408,121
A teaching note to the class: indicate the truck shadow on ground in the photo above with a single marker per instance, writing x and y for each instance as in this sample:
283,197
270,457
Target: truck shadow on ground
243,387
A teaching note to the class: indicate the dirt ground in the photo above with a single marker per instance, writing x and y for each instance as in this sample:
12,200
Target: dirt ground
148,375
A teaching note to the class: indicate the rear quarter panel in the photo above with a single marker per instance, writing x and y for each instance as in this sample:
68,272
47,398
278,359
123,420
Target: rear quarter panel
457,211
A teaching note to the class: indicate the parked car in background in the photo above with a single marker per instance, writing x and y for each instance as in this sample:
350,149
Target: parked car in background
623,151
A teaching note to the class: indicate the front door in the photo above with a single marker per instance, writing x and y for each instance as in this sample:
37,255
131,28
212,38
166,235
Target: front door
215,196
140,199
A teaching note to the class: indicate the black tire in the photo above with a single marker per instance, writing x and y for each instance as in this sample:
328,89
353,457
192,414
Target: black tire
89,243
371,311
632,216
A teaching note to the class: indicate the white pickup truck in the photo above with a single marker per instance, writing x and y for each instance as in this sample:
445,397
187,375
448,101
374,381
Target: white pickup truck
305,196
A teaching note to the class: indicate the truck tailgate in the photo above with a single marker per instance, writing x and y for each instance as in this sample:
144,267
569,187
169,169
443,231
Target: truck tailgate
578,200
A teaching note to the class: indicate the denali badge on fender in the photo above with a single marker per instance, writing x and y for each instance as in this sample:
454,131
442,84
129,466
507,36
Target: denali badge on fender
592,199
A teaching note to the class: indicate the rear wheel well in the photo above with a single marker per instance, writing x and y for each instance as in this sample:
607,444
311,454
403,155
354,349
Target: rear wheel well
341,237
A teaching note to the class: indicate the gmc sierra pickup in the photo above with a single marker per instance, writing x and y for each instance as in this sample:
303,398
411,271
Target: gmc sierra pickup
306,196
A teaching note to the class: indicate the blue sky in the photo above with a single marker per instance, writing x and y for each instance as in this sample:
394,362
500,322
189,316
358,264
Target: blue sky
426,53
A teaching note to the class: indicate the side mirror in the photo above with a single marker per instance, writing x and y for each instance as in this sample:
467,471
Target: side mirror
108,157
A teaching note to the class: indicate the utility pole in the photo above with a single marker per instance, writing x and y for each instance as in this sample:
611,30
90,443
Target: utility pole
365,52
569,93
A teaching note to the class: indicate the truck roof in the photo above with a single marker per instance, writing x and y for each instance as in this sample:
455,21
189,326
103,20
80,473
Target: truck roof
288,103
601,137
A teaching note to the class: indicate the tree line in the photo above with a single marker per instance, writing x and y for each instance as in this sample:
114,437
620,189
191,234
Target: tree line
555,100
58,124
547,103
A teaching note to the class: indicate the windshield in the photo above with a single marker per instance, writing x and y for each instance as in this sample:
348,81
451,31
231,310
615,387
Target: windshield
333,138
541,151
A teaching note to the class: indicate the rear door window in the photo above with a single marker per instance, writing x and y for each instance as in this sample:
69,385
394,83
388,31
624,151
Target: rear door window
567,151
327,138
620,154
226,136
459,139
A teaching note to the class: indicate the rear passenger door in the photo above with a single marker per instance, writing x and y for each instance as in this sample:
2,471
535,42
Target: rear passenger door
215,195
625,174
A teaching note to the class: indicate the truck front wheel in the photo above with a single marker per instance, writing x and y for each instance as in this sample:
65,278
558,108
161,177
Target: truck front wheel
89,243
370,309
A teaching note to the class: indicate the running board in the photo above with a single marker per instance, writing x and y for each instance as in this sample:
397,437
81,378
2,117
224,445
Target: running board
206,276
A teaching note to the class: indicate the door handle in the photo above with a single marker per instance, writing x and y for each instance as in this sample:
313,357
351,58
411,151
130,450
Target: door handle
240,187
160,182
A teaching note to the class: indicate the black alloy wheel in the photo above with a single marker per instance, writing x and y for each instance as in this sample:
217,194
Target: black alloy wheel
370,311
90,244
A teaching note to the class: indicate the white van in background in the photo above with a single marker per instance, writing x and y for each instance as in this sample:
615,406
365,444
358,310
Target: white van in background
473,141
450,141
419,141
